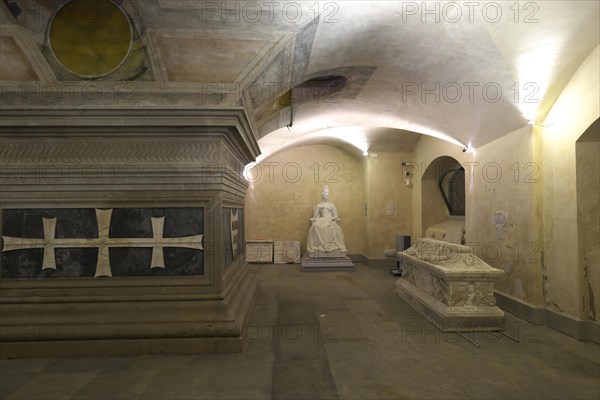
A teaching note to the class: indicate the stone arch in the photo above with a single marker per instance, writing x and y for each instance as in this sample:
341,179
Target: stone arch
434,208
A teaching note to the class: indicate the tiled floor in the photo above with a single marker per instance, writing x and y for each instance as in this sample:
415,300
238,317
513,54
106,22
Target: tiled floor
331,336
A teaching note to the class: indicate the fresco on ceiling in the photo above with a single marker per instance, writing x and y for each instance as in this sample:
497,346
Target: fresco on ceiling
272,96
86,39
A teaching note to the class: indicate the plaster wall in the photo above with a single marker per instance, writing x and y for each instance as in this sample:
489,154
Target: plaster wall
503,177
285,188
588,215
367,166
279,205
389,202
574,111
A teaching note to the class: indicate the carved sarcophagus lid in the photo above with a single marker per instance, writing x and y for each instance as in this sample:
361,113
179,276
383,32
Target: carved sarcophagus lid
449,260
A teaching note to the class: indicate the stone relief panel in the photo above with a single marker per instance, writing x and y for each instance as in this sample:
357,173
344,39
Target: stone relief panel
433,285
286,252
441,290
233,235
87,242
472,294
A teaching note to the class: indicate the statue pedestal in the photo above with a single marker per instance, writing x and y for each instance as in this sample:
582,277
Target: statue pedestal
316,255
331,263
450,287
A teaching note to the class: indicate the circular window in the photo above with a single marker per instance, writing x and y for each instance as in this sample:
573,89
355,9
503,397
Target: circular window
90,37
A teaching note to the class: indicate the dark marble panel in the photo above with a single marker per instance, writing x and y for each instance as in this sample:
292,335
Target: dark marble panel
182,262
127,261
70,223
73,263
24,263
131,223
70,263
81,223
137,222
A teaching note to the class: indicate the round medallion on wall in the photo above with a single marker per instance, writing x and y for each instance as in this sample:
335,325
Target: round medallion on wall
90,38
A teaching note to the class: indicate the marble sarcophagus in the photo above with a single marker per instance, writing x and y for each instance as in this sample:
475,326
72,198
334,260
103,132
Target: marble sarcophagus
450,286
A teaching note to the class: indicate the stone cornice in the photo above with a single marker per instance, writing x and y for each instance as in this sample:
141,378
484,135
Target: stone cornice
232,124
110,150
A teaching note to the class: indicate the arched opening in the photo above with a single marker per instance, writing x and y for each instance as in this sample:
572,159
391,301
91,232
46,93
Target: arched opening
443,200
587,168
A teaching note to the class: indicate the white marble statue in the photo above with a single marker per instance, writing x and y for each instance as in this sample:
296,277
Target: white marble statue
325,236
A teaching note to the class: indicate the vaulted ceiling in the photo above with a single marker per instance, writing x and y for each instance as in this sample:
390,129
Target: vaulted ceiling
468,72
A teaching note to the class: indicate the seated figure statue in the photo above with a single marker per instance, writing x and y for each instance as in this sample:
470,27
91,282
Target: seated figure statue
325,237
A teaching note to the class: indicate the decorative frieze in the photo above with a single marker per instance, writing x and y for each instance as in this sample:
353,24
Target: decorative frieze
109,150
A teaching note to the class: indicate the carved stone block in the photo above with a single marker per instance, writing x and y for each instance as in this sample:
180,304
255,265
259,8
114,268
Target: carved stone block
286,252
450,286
259,251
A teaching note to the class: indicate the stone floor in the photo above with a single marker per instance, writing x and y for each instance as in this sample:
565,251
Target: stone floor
332,335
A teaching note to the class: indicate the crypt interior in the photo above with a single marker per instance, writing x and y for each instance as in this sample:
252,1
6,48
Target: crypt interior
160,162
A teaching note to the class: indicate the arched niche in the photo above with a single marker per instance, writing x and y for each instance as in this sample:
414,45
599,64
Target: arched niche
442,192
285,187
587,167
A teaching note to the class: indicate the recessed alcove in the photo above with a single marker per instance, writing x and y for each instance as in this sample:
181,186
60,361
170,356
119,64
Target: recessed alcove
587,149
442,192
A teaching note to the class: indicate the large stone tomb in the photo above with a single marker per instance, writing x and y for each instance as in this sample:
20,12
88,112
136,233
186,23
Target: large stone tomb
450,286
123,232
